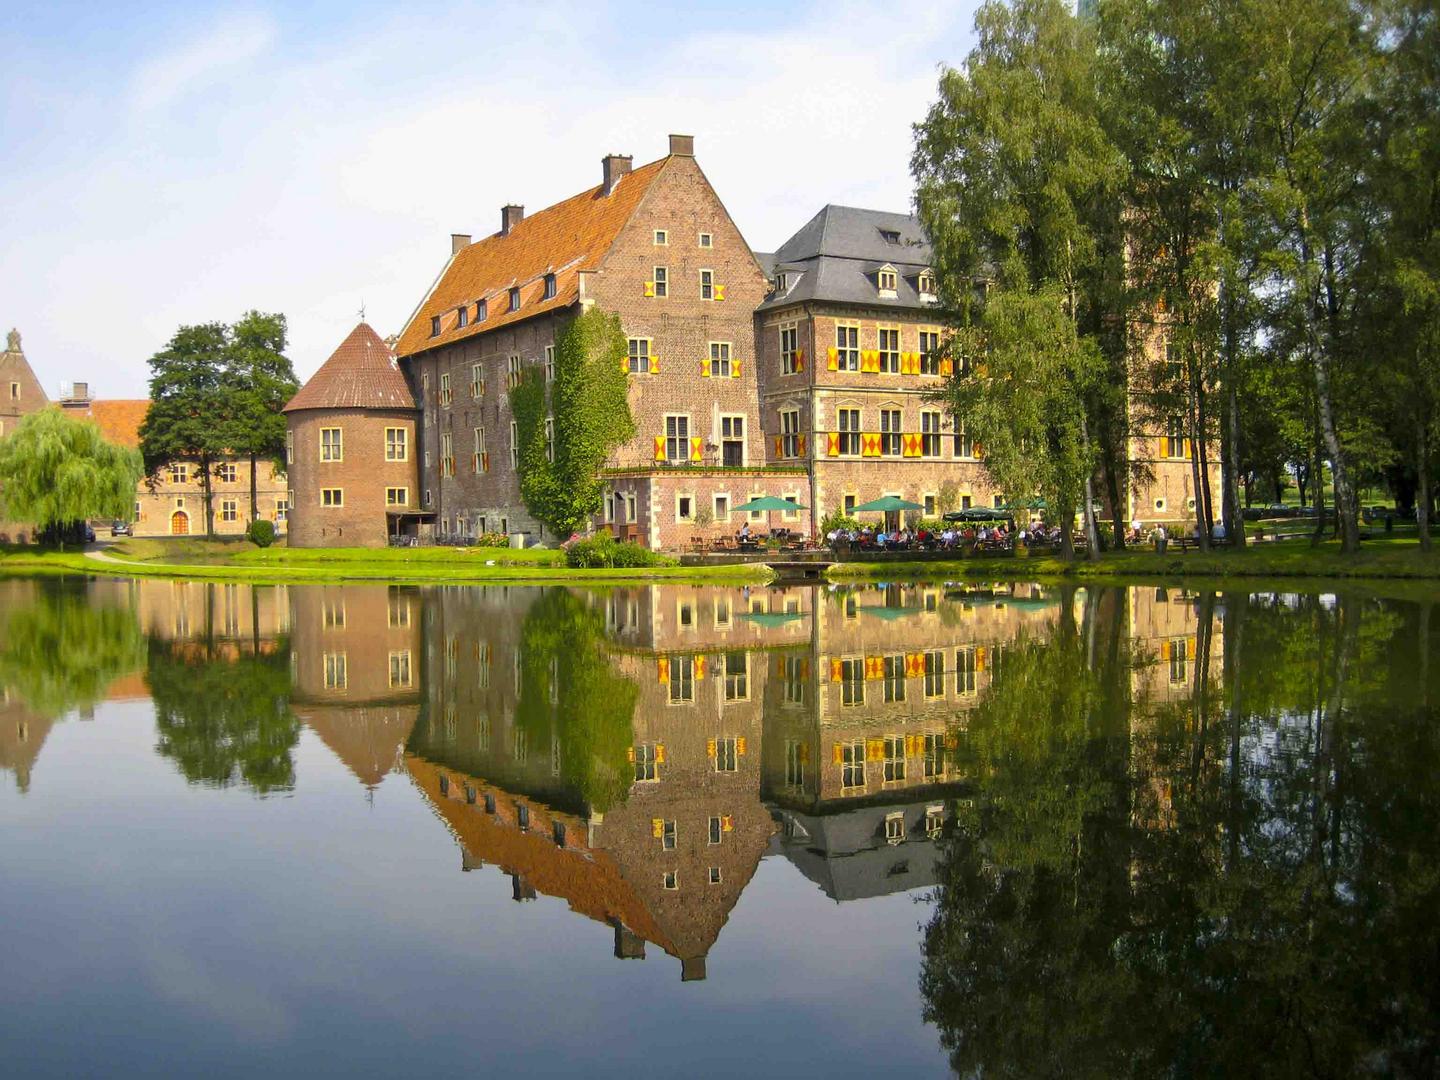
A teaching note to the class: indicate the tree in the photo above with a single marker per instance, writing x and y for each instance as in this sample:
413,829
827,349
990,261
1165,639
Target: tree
260,380
224,720
589,413
1018,184
63,649
58,473
191,405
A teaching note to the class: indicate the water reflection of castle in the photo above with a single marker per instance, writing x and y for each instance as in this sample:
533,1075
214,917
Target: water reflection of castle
637,753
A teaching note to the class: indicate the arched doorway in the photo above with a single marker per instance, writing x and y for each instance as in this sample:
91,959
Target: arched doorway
180,523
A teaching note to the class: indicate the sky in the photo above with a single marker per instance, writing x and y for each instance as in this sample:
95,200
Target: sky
170,165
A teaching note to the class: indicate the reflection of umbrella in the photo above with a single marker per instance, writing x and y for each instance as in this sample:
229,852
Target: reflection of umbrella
773,618
768,503
890,614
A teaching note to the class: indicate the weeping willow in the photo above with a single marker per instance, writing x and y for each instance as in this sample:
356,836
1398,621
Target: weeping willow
55,470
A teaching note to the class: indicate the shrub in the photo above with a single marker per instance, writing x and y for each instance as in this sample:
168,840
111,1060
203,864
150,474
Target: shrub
837,520
601,551
934,525
261,533
492,540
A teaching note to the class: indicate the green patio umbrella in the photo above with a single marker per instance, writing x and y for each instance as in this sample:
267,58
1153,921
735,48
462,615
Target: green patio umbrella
768,503
889,504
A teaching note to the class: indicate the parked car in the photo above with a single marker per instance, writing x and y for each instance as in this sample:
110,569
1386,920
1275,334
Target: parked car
120,528
89,534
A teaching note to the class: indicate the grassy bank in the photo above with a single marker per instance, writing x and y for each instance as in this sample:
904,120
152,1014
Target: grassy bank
233,562
1291,559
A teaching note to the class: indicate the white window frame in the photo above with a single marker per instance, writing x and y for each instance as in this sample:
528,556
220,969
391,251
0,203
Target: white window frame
332,452
789,350
397,444
847,346
336,497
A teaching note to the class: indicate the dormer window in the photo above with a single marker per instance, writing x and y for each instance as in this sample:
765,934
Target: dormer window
515,299
482,309
462,316
890,236
886,280
780,283
434,325
549,286
925,285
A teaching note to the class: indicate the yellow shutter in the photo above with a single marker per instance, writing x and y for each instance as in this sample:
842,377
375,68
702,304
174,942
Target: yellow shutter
657,827
699,667
659,753
835,671
837,754
659,447
947,367
1190,648
719,292
740,746
630,755
704,369
697,448
654,364
735,369
874,749
980,658
727,823
1165,650
834,362
662,669
779,443
710,748
649,288
1187,449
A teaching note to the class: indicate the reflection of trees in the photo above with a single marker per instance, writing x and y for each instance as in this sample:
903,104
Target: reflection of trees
62,650
1276,918
224,720
571,693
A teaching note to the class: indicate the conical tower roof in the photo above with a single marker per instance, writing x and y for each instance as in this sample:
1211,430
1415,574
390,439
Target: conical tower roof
360,374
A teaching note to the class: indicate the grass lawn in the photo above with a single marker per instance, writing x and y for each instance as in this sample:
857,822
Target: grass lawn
231,561
1395,558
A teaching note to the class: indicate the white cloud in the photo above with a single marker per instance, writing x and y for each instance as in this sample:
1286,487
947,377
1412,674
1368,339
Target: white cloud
338,176
230,43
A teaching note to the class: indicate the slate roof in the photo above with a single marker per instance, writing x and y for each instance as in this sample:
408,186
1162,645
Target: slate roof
360,374
835,254
563,239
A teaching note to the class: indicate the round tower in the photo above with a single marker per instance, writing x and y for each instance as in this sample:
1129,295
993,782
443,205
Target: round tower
350,449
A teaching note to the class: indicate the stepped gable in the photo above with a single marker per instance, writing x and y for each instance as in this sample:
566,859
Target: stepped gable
360,374
563,239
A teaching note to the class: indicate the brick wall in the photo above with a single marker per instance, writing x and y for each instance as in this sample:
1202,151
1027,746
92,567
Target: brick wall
681,325
362,474
167,507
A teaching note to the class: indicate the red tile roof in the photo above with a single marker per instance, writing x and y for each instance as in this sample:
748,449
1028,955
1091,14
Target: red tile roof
119,421
360,374
563,239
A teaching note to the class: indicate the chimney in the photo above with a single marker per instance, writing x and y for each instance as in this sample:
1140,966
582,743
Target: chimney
81,391
613,167
459,242
510,216
682,145
692,969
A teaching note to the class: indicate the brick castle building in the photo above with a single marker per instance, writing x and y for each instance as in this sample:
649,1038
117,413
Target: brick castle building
804,374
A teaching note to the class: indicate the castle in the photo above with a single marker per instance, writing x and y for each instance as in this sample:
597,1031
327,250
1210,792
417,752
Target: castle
803,374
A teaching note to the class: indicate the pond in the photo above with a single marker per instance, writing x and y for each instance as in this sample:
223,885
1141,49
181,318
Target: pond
1008,830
